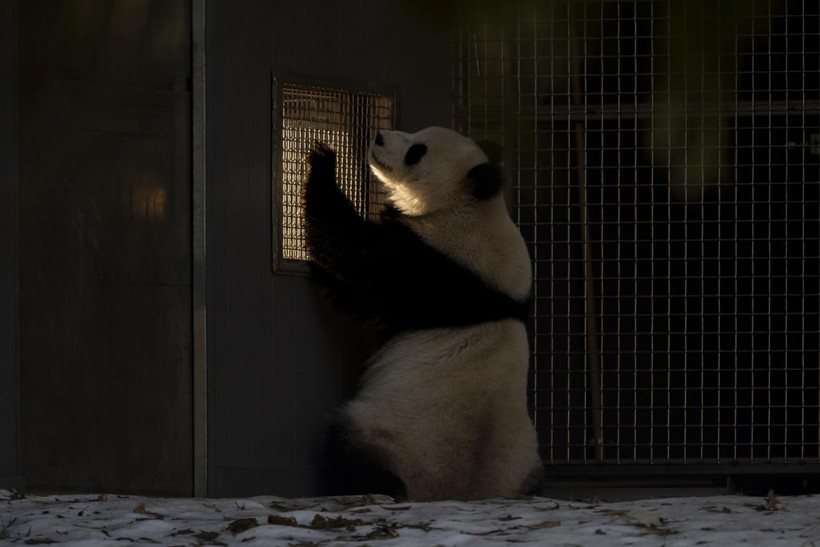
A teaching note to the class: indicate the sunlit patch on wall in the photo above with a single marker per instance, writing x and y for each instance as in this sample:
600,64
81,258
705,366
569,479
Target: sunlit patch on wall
344,118
149,202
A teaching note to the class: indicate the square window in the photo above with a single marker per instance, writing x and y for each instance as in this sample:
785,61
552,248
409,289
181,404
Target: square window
345,119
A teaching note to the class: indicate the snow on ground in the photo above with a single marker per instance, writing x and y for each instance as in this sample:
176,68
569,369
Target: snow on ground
101,520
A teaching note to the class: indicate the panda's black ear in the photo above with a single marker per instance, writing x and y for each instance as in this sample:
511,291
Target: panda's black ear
493,150
486,179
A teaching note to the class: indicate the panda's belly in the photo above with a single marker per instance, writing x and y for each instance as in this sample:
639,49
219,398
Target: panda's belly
448,408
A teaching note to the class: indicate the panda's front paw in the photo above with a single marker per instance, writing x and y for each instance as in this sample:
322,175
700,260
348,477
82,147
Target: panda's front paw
322,161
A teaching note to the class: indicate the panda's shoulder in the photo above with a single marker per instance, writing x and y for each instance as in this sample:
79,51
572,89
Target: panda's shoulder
405,242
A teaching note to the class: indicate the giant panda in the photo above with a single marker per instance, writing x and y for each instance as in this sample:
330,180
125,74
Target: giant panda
445,274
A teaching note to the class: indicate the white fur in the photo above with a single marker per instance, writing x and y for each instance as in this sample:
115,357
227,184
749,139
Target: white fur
448,406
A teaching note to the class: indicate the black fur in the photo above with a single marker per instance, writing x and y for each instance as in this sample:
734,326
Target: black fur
534,483
383,271
487,180
414,154
353,467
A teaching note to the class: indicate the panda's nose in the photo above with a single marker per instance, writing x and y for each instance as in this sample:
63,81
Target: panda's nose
379,140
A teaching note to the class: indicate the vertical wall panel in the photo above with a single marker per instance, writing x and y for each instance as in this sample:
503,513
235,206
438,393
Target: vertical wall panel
279,357
9,361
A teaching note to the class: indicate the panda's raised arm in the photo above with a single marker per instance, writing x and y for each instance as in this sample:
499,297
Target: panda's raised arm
331,222
323,201
345,247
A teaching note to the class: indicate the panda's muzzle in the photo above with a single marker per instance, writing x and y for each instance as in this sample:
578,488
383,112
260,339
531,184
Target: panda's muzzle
380,164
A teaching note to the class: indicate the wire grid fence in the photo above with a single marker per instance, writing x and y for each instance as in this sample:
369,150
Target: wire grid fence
343,119
664,170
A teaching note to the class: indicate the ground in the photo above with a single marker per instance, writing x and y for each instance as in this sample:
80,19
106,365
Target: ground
100,520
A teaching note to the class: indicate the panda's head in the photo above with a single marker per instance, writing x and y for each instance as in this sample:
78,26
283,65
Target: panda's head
434,169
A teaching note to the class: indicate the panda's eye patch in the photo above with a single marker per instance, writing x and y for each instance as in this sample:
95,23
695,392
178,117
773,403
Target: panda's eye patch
414,154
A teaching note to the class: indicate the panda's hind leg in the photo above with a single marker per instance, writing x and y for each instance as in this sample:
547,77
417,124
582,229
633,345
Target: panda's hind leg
354,466
533,485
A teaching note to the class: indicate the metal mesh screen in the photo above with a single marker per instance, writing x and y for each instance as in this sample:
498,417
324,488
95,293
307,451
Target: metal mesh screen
343,119
664,168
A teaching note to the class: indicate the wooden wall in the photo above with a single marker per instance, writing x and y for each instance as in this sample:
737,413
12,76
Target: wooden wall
105,245
9,355
96,241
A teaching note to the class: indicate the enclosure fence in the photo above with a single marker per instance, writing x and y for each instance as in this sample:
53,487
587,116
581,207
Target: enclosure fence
663,159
